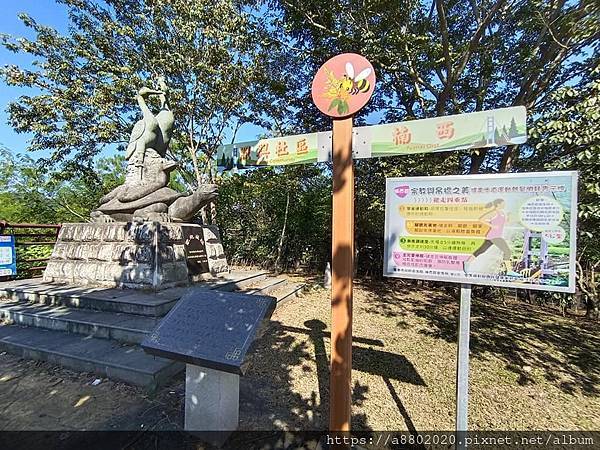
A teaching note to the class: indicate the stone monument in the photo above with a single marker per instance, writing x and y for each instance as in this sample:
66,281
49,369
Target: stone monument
139,236
212,332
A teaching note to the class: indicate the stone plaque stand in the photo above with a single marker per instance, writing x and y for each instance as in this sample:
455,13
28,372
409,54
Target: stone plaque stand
147,255
211,399
211,332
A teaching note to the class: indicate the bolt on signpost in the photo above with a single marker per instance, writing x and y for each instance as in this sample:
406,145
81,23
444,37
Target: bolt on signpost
341,87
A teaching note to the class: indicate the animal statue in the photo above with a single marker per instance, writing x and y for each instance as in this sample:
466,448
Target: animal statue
145,132
145,195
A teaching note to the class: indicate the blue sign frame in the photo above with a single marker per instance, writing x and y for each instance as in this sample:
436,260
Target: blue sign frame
8,256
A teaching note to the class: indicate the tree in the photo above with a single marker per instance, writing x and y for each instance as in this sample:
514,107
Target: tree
436,58
512,131
277,216
567,137
213,55
29,194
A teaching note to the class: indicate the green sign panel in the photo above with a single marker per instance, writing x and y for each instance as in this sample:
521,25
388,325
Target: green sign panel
297,149
483,129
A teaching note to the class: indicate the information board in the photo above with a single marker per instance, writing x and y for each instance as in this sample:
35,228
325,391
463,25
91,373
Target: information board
8,256
211,328
509,230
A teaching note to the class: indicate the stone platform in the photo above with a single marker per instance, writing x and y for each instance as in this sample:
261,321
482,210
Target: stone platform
98,329
148,255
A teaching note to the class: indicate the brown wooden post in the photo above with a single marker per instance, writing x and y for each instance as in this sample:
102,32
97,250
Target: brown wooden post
335,92
342,273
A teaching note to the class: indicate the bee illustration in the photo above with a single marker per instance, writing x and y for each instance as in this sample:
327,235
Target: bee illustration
355,85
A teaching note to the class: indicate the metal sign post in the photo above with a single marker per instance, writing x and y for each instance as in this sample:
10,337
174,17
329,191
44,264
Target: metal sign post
479,230
462,366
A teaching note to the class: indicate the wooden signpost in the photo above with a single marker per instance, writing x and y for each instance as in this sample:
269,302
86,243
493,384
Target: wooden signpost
341,87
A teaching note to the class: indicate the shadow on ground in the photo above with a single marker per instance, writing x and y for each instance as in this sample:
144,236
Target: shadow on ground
271,388
566,350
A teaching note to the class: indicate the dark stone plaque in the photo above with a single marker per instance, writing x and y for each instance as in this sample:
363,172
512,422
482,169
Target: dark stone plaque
195,249
210,329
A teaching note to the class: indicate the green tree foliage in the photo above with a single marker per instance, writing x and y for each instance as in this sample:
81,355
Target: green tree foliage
438,57
251,211
567,137
84,82
28,194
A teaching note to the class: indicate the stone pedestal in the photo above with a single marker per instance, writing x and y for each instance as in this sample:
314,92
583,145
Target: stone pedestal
148,255
211,399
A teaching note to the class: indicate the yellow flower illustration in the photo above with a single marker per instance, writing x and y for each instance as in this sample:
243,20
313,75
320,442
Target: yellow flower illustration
335,90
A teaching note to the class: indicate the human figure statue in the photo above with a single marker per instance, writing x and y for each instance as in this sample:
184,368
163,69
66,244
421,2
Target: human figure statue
145,195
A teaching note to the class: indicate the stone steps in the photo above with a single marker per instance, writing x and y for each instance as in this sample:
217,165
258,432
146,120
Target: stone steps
234,281
98,329
116,300
128,328
107,358
99,299
288,292
266,286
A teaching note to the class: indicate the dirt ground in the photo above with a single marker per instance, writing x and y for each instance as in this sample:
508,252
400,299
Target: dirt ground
530,370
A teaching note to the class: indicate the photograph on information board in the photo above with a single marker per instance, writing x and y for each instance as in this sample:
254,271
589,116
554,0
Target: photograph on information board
511,230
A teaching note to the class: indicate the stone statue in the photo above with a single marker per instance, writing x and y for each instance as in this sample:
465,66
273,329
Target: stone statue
145,195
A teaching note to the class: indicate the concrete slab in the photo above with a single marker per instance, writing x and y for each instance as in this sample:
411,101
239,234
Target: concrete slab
84,353
123,327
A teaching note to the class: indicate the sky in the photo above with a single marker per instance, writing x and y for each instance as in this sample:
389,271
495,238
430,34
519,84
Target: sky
46,12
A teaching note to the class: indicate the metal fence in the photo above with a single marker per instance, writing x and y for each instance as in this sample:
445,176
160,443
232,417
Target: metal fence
30,237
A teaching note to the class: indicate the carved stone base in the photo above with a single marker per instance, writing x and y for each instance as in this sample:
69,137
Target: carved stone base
149,255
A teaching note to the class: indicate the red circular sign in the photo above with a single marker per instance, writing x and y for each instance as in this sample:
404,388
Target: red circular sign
343,85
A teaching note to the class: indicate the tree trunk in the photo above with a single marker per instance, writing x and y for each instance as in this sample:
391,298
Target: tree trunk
591,308
508,158
213,213
212,206
477,160
282,237
195,163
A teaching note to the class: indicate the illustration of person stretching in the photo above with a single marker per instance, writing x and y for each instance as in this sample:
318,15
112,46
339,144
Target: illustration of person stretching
496,218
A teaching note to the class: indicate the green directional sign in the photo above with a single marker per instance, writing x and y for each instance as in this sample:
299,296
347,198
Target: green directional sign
482,129
494,128
297,149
